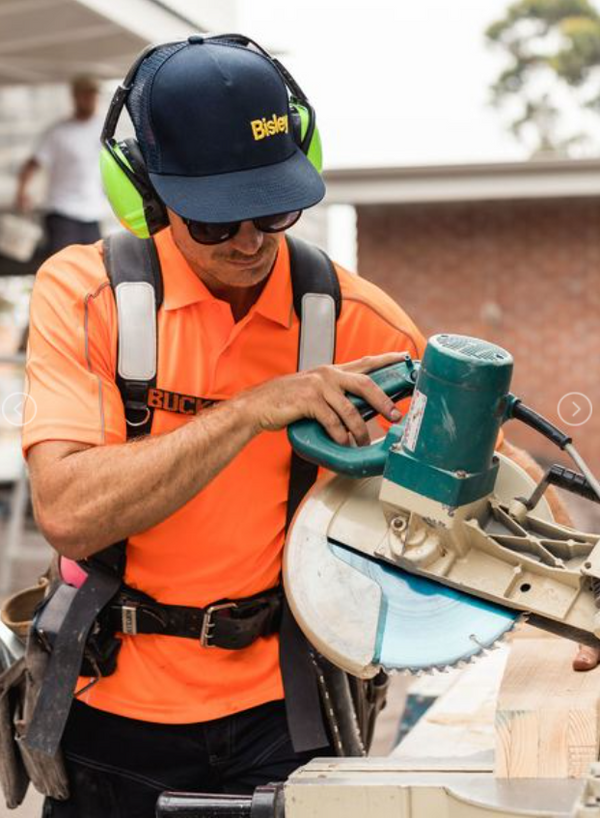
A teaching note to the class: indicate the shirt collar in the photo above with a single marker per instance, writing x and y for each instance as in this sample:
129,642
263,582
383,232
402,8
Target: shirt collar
183,287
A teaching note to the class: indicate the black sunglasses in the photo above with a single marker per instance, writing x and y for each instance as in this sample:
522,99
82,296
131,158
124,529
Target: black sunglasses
218,232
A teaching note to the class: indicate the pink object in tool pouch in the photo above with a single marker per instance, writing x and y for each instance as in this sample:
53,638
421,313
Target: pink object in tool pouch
72,573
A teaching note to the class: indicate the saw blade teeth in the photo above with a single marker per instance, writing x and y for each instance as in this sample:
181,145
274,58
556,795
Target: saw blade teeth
486,650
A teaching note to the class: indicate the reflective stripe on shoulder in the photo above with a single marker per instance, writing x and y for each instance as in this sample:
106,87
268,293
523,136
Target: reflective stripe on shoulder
136,308
317,331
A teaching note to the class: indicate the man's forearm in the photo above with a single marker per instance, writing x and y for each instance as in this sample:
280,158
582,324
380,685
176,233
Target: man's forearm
86,498
106,493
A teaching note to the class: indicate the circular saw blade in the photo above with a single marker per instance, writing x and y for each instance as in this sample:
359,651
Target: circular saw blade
363,613
425,625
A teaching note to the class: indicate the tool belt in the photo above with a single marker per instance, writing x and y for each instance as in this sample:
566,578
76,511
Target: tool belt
230,624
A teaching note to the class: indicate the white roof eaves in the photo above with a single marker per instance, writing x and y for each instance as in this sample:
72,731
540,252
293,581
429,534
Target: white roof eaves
46,41
455,183
150,20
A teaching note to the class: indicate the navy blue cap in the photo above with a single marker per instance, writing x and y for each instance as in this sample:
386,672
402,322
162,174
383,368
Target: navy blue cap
214,126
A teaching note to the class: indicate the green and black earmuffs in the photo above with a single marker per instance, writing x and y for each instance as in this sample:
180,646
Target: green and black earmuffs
124,176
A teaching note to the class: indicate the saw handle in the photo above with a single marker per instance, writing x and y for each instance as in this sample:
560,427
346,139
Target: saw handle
310,440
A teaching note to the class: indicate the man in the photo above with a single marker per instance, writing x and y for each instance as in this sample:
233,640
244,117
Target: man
201,501
68,152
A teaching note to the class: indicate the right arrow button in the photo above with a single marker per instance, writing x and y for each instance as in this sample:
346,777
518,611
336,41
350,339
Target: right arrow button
575,409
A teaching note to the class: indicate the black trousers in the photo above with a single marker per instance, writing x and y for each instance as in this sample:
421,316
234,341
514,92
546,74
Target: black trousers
118,767
63,230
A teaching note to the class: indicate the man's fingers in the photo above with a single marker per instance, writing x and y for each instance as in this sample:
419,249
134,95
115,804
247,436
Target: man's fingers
366,388
349,415
371,362
586,658
330,420
359,383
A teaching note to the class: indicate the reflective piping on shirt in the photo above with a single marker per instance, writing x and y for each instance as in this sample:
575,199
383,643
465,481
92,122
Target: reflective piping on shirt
383,318
87,356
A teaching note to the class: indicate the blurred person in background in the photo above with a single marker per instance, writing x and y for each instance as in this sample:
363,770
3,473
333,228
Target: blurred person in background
68,152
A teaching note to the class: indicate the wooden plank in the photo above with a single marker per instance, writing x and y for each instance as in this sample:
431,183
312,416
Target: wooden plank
547,715
460,724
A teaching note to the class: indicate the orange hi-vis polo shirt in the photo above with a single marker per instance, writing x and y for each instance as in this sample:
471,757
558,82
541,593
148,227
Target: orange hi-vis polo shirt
227,541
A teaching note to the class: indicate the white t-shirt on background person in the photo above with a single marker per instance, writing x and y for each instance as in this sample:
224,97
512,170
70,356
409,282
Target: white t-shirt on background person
69,153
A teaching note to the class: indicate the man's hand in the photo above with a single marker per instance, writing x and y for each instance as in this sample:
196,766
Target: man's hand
319,394
586,658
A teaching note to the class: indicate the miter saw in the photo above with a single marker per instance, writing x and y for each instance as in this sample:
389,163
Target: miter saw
420,552
427,547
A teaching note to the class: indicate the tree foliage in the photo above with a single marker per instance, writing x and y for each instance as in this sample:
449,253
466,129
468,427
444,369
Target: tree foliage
553,46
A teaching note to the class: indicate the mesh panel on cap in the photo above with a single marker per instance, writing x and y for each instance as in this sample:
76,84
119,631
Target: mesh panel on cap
138,101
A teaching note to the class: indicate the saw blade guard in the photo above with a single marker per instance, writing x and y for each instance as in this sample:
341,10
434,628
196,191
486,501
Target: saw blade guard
362,613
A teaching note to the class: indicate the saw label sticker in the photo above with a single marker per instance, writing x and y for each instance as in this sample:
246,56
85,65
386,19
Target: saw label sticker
414,420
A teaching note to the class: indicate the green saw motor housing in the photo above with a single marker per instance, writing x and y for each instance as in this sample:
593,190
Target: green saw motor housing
458,405
444,448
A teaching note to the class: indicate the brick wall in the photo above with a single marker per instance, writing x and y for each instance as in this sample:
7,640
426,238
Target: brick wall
525,275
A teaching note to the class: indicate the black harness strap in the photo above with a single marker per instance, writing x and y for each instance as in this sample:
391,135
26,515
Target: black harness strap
131,260
54,702
127,259
312,272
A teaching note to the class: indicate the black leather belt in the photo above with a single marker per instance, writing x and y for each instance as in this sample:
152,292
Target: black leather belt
231,624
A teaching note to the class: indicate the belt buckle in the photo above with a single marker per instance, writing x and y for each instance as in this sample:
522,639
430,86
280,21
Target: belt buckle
207,623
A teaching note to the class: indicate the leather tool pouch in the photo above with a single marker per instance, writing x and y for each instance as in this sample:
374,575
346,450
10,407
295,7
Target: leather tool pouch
14,779
18,610
19,688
